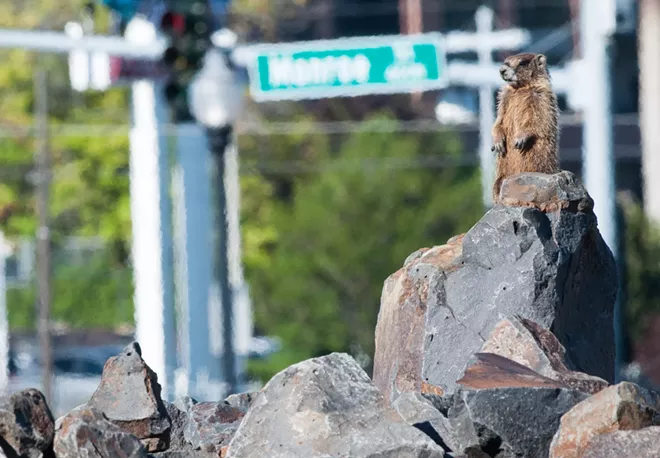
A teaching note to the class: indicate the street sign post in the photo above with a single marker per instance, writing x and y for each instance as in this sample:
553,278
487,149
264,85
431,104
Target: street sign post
347,67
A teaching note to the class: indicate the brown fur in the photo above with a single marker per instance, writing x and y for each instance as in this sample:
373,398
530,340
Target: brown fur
526,131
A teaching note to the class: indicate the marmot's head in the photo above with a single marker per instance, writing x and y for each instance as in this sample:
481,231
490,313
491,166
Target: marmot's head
522,69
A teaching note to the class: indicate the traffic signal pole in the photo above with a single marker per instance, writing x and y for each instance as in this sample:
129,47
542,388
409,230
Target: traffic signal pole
194,260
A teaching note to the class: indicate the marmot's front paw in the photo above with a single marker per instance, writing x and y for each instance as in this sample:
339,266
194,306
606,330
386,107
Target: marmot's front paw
499,145
523,142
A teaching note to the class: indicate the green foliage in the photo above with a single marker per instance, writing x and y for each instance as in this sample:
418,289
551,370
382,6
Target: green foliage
642,261
348,226
87,293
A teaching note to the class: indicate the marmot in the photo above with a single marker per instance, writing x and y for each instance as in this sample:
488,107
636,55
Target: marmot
526,130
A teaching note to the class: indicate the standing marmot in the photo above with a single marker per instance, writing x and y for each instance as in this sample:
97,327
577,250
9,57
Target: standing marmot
526,131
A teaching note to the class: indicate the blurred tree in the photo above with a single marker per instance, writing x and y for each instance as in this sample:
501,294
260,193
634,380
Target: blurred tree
90,180
88,294
350,224
641,239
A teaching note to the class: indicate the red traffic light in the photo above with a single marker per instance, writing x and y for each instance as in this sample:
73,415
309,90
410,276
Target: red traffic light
174,22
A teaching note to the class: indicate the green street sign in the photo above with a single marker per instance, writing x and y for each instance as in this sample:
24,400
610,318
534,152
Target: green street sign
347,67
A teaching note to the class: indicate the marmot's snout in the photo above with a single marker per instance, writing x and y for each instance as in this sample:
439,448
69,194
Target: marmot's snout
507,73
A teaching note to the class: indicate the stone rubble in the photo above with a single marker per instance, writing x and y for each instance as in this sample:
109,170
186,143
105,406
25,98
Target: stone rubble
498,344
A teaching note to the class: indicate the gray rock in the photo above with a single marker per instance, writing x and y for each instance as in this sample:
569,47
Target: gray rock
624,406
211,425
241,401
542,259
178,421
516,422
642,443
129,396
325,407
184,403
87,433
418,411
59,421
27,426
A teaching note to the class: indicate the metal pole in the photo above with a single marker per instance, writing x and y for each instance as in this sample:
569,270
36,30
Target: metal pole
194,259
219,140
243,323
649,102
43,231
4,322
598,161
484,22
152,238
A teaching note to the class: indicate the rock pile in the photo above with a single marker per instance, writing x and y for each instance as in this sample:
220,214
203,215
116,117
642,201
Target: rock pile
497,344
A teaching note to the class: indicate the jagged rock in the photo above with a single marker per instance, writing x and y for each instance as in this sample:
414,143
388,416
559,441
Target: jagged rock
548,193
542,259
533,346
241,401
420,412
87,433
184,403
129,396
211,425
488,370
625,406
507,409
324,407
27,426
643,443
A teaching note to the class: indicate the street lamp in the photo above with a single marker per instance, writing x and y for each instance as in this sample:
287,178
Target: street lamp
216,99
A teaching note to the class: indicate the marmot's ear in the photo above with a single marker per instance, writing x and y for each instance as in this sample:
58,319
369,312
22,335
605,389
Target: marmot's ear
541,60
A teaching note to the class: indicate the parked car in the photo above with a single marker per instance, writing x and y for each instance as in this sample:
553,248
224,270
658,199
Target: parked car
76,374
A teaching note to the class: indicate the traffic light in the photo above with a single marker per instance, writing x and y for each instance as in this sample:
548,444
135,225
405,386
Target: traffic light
189,31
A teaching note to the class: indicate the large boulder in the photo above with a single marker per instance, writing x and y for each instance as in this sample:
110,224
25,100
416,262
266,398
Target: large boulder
538,256
325,407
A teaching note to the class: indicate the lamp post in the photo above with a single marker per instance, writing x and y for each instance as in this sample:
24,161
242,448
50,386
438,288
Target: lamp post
216,99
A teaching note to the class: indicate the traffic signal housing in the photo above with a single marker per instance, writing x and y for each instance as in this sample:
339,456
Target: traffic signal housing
189,32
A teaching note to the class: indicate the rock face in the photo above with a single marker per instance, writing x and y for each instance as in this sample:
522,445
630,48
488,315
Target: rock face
644,443
625,406
27,426
324,407
86,433
129,396
539,256
508,421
